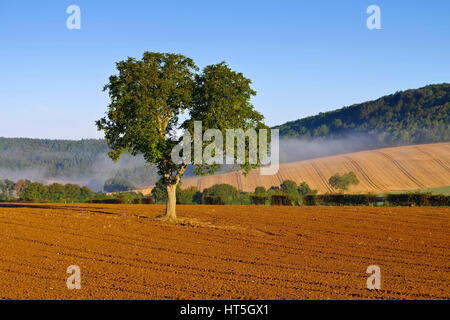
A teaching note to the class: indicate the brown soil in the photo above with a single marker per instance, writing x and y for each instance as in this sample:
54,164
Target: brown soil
223,252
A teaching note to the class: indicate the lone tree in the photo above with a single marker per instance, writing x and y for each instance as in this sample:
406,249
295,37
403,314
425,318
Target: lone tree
149,95
343,182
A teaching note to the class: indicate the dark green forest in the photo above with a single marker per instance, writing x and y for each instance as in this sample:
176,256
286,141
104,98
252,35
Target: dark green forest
85,160
406,117
63,158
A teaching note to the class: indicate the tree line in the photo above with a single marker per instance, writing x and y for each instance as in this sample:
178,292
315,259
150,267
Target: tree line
406,117
26,190
69,159
289,193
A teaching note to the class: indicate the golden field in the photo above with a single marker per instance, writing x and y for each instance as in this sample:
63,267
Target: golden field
390,169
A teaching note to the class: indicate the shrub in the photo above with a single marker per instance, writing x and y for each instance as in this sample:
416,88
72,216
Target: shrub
228,193
72,192
305,190
346,199
35,192
310,200
245,199
86,194
332,199
258,200
417,199
213,200
260,191
420,199
114,201
439,200
187,196
290,188
56,193
148,200
159,192
343,182
280,200
402,199
19,187
118,185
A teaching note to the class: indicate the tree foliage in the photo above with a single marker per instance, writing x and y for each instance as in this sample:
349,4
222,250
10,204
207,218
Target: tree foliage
65,159
55,193
343,182
190,195
406,117
149,95
118,185
228,193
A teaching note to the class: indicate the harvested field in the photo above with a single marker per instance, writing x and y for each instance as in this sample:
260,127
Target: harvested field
390,169
223,252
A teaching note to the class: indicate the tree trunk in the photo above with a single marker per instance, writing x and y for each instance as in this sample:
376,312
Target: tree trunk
171,202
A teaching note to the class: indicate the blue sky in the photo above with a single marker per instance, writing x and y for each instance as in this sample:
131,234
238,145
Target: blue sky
304,57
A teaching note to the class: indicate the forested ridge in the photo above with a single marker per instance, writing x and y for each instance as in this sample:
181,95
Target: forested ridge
59,157
66,159
406,117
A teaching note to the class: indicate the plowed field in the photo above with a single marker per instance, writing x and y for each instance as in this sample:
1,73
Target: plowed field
223,252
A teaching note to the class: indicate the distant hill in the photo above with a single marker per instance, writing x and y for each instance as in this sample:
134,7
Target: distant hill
83,162
406,117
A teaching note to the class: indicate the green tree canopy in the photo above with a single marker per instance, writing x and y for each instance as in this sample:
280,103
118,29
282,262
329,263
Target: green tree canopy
35,192
149,95
304,189
226,192
56,193
406,117
118,185
190,195
290,188
342,182
260,191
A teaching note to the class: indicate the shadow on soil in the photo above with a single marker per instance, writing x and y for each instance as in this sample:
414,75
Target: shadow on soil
53,207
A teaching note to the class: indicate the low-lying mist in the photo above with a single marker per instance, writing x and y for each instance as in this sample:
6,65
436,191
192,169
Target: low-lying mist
138,172
102,169
292,150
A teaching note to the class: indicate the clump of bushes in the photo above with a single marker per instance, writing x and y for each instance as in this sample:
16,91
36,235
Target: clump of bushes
118,185
287,194
55,193
417,199
213,200
190,195
343,182
123,198
439,200
344,199
310,200
280,200
227,193
258,200
259,197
